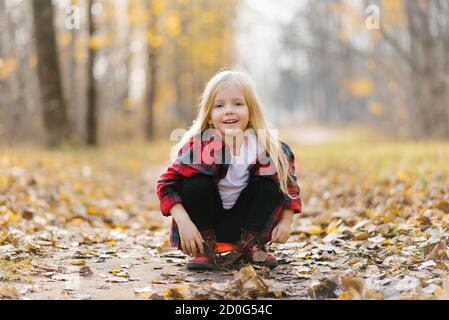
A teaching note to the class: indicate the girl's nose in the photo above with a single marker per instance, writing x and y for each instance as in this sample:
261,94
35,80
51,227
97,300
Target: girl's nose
229,108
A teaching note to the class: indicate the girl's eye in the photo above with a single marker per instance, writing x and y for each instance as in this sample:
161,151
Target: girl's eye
239,104
218,106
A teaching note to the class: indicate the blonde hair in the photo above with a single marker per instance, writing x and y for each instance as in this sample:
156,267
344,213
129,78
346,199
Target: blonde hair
256,119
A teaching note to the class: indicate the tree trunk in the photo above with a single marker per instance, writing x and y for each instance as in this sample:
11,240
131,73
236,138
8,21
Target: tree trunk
153,56
151,95
7,102
92,112
53,105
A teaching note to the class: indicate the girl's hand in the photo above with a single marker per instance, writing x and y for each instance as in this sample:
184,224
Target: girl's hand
188,232
282,231
190,238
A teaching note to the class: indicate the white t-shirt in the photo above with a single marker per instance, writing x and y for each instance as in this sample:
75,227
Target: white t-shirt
237,175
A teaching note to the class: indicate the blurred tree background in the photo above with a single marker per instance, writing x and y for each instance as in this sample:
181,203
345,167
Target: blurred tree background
376,62
100,71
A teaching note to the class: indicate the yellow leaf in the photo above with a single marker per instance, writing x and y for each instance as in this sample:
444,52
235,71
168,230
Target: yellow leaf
77,262
173,24
98,42
63,197
77,221
331,228
175,293
77,186
155,41
348,295
361,87
395,211
118,272
10,218
33,248
401,175
361,236
165,246
111,242
312,230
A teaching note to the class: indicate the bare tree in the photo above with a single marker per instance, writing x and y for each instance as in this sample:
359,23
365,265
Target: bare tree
429,71
410,54
92,111
53,105
152,73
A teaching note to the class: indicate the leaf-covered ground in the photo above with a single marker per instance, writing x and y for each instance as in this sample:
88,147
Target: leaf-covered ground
84,224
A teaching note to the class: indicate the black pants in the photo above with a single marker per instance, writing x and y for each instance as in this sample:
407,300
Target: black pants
256,203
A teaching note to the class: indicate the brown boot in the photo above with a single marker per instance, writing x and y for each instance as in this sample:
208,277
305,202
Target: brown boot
206,260
253,248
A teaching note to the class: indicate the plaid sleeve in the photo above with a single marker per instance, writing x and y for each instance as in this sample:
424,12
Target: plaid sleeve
293,187
167,188
186,165
169,184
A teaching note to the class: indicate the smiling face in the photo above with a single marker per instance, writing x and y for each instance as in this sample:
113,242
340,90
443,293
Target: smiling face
229,110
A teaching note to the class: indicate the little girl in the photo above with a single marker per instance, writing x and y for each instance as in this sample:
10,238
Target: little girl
232,180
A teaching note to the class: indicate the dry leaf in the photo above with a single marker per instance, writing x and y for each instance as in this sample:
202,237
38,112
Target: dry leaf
436,251
85,271
148,293
176,293
164,247
325,289
443,205
360,236
8,292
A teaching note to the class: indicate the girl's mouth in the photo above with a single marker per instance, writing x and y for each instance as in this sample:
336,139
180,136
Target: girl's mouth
230,121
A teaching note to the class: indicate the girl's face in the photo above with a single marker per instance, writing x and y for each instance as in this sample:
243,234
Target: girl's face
229,109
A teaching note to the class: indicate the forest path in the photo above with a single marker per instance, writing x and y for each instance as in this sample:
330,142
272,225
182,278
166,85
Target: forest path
87,225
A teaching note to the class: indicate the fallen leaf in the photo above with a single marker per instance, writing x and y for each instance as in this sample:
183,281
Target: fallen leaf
148,293
79,262
8,292
119,272
85,271
443,205
164,247
436,251
360,236
116,280
325,289
176,293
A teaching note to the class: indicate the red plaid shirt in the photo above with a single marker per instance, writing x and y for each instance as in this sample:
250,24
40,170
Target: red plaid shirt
201,156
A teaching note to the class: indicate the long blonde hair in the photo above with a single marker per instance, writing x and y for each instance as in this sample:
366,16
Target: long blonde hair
256,120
